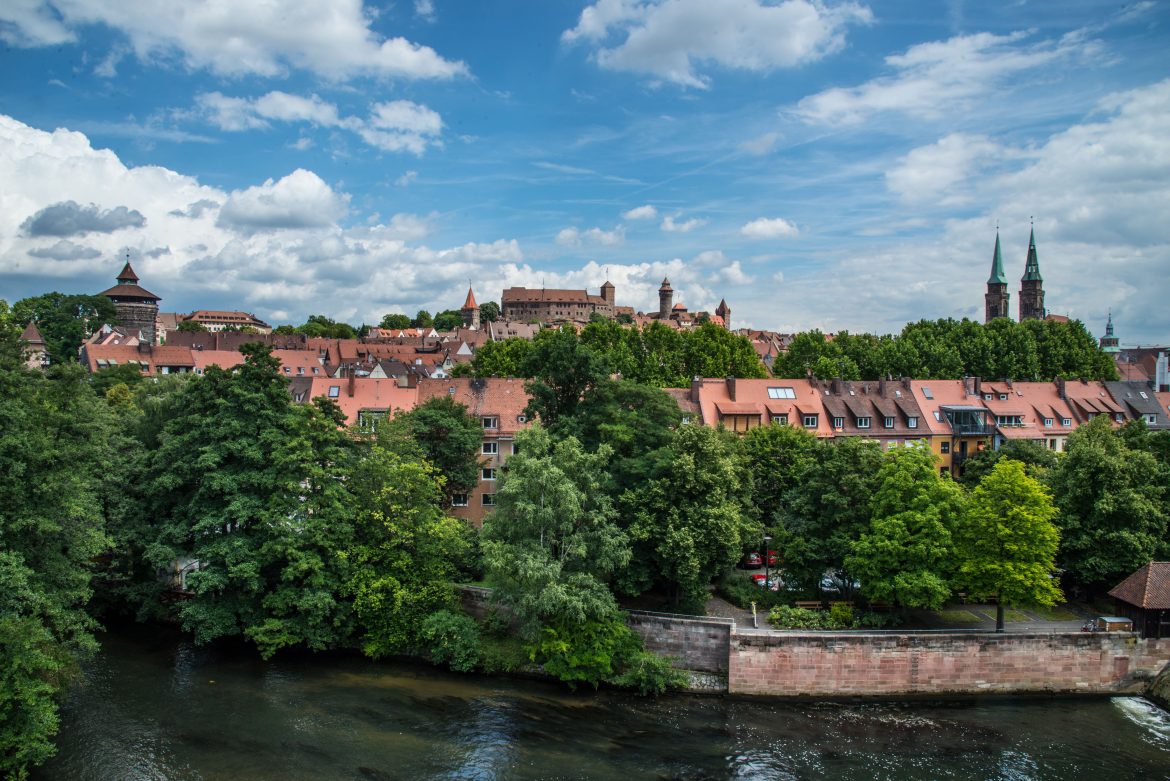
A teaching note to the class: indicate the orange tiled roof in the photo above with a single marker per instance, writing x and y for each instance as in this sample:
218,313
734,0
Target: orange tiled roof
484,397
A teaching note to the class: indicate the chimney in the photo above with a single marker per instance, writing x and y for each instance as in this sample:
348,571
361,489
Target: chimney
1162,373
835,385
978,385
1060,388
906,383
731,388
696,386
352,382
881,387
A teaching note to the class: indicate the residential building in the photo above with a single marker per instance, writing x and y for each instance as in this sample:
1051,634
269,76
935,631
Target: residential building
215,320
1032,411
882,411
743,404
1140,402
364,401
1087,400
958,425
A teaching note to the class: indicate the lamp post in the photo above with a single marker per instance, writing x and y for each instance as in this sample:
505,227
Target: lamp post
767,585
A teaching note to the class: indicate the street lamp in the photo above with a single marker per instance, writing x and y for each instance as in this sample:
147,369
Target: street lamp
767,584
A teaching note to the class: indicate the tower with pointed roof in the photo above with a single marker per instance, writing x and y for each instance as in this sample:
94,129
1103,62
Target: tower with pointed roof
996,299
1109,342
665,299
608,293
1032,285
724,311
470,311
136,307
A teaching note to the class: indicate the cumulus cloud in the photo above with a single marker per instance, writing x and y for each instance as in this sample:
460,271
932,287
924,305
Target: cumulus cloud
70,218
572,237
670,226
334,40
646,212
406,178
425,10
769,228
299,200
195,210
65,249
670,39
935,79
933,173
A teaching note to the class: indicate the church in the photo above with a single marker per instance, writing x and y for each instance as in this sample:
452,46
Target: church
1031,286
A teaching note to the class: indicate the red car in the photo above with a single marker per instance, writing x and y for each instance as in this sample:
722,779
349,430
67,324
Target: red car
751,561
773,582
773,558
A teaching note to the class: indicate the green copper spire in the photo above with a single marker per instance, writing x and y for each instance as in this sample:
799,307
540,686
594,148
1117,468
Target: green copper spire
997,276
1032,267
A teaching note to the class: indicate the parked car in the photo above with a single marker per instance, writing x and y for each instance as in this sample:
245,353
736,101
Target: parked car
834,581
774,582
773,559
751,561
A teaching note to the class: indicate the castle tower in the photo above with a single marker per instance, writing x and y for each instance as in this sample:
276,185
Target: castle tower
665,299
470,311
1109,342
607,292
1032,285
996,299
136,307
724,311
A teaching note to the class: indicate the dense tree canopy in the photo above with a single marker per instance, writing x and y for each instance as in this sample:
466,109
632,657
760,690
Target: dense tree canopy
65,320
443,432
395,321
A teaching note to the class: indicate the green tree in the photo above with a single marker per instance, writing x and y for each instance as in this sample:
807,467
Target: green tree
127,374
904,557
506,358
54,450
448,320
776,456
1112,505
689,524
1035,456
563,371
442,431
423,319
65,320
489,312
713,351
404,551
395,321
191,326
1006,541
326,327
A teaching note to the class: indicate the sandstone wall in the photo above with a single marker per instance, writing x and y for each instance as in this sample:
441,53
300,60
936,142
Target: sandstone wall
827,664
697,643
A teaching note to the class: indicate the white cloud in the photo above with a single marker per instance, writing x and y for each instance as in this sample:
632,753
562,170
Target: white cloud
938,173
769,228
402,125
425,10
669,39
334,39
646,212
299,200
760,145
572,237
670,226
936,79
406,178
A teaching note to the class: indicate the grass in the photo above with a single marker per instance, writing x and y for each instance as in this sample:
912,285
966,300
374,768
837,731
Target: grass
958,617
1054,613
1013,616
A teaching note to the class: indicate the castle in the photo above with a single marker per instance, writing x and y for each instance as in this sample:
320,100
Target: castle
1031,286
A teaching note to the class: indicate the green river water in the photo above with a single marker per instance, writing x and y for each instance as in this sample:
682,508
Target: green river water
154,706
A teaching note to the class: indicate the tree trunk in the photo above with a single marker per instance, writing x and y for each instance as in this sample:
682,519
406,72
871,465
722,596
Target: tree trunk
998,614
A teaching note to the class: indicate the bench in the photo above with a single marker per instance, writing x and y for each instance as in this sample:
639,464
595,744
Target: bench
809,605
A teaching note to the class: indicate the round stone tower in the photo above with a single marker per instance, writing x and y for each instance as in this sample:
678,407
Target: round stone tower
136,307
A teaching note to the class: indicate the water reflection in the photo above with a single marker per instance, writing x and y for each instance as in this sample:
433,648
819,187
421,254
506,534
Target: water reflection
155,707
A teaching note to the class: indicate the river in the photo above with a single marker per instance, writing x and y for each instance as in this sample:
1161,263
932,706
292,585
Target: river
154,706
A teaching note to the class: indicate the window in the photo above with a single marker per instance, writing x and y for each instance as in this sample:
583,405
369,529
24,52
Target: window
491,422
368,419
451,391
334,391
1151,419
987,397
926,392
287,370
944,447
1066,422
300,371
490,448
521,418
459,500
781,393
912,421
488,473
837,423
781,419
888,422
1143,394
810,421
863,422
1013,421
489,500
1003,397
1052,444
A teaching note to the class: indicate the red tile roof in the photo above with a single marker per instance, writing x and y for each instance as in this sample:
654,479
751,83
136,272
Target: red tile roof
1147,588
484,397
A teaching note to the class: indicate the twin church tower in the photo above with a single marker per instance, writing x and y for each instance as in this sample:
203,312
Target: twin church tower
1031,286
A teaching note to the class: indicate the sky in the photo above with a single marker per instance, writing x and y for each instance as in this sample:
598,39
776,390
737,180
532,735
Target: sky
818,164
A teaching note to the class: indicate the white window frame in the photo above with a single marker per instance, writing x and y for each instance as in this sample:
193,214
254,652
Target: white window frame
837,422
490,449
888,422
459,500
781,419
1066,422
864,422
1048,422
782,392
911,421
487,473
334,391
490,421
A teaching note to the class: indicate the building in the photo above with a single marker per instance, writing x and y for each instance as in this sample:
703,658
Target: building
1140,401
1032,411
556,306
1144,597
996,298
1110,343
1032,285
743,404
33,349
881,411
215,320
470,311
957,424
136,307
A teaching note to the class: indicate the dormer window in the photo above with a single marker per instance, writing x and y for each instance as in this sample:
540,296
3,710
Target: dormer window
863,422
781,419
1066,422
1047,422
1003,397
810,421
912,421
987,397
490,422
837,422
888,422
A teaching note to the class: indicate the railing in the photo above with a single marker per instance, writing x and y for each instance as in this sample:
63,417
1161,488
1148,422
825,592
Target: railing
971,429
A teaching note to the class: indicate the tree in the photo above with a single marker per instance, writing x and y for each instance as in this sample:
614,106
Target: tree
326,327
423,319
689,524
506,358
551,544
489,312
1006,541
713,351
395,321
1035,456
403,553
443,432
127,374
1112,505
448,320
54,435
563,371
904,556
191,326
65,320
776,456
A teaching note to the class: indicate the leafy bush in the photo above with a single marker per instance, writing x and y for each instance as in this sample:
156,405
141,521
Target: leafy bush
453,640
841,614
741,592
648,673
502,655
784,617
583,652
879,620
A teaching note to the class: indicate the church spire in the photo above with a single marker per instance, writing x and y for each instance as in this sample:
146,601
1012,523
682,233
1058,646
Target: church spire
1032,266
997,276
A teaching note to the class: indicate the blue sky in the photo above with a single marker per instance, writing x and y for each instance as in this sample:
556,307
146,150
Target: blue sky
818,164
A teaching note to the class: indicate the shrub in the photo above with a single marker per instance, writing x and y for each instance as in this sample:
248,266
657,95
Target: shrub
452,639
502,655
741,592
648,673
784,617
879,620
588,652
842,615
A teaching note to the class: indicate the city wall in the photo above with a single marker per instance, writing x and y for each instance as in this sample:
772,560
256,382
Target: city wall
882,664
698,644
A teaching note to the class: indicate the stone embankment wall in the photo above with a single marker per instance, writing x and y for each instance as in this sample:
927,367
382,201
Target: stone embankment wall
1159,690
698,644
837,665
